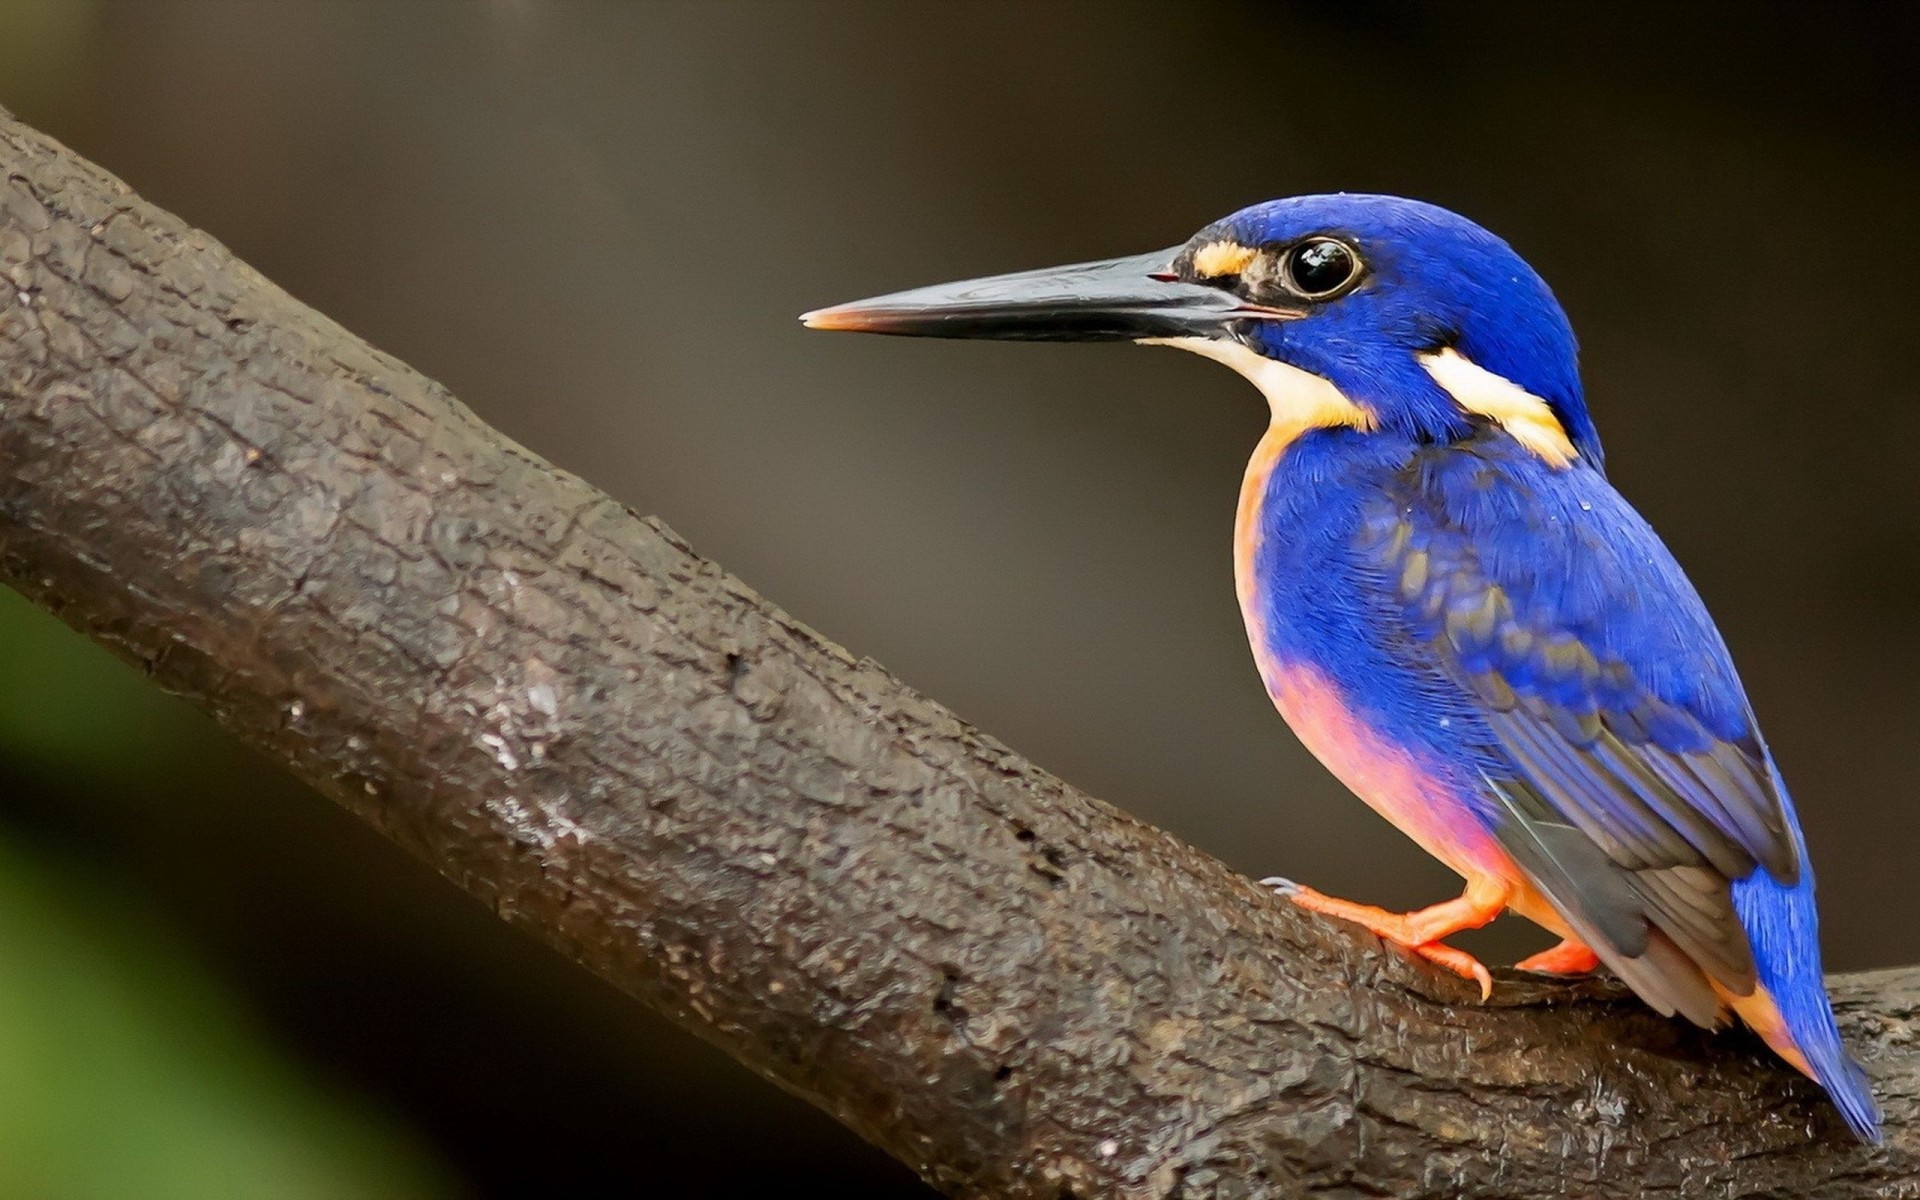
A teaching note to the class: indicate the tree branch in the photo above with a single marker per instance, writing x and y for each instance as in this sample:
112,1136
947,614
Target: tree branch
1010,986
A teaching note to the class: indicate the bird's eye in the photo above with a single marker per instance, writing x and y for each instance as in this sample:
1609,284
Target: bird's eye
1320,268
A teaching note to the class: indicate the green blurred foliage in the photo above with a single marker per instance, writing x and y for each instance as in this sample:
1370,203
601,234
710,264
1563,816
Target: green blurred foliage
67,703
125,1071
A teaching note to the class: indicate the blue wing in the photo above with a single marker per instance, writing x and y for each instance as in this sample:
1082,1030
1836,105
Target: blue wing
1621,765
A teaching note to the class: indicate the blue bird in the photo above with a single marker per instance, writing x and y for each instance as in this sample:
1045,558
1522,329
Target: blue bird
1457,613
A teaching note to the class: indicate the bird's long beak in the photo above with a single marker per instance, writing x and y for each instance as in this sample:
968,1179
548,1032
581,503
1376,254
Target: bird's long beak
1117,300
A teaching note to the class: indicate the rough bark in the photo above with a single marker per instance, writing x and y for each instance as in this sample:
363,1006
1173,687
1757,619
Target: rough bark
1007,984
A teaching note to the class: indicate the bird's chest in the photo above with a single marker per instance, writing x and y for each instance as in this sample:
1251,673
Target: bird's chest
1304,593
1319,631
1304,601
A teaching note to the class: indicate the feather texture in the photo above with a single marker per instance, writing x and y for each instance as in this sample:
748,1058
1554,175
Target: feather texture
1525,636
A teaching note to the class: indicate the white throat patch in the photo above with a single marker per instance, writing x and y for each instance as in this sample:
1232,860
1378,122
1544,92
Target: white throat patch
1298,400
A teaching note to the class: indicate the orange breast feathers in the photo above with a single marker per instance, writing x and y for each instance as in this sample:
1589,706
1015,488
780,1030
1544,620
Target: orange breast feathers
1384,775
1381,773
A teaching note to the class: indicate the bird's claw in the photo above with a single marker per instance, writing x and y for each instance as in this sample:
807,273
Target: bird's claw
1459,962
1413,932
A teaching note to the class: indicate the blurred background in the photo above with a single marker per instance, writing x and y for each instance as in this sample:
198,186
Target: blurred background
596,222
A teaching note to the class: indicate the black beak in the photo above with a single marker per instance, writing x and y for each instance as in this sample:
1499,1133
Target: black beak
1118,300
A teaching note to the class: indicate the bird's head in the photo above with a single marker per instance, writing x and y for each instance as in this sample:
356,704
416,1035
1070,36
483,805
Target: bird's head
1370,311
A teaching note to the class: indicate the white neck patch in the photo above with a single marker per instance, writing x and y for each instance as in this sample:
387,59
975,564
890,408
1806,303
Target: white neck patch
1300,400
1525,416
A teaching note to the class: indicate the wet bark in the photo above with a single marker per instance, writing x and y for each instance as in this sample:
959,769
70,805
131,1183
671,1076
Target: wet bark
1009,985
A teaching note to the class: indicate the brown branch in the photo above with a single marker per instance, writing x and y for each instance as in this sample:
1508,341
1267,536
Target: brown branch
1007,984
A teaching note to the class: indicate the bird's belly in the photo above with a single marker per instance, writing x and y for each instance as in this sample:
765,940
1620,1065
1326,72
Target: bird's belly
1387,776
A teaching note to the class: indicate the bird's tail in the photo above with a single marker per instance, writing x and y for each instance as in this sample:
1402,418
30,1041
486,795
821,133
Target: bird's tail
1789,1007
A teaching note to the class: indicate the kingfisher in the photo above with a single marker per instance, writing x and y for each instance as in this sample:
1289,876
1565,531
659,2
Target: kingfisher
1456,612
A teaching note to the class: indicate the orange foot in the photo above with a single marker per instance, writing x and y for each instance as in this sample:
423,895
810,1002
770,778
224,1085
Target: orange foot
1421,931
1568,958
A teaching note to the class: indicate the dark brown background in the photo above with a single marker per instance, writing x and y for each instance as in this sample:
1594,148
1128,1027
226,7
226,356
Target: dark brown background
596,221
